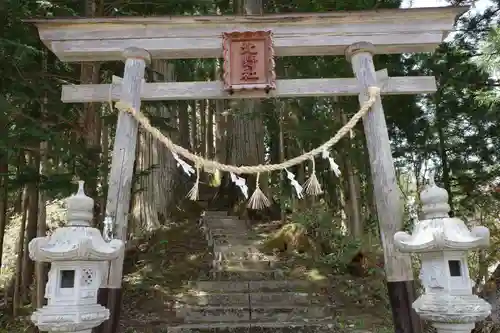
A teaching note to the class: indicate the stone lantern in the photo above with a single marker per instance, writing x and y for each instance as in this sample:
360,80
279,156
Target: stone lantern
78,255
443,242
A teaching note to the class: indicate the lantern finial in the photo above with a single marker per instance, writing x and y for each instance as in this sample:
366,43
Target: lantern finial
434,200
80,207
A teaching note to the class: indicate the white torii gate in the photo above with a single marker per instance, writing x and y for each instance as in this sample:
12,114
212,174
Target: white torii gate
358,35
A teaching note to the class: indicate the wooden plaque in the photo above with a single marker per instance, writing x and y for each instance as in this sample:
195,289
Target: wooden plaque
248,61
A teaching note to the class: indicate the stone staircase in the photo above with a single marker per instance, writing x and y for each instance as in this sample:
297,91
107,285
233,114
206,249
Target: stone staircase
246,291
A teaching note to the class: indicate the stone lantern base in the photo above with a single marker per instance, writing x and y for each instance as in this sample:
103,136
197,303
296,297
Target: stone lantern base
69,318
454,309
452,313
453,328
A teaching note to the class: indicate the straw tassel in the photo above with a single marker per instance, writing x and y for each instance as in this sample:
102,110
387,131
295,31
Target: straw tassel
312,186
258,199
193,193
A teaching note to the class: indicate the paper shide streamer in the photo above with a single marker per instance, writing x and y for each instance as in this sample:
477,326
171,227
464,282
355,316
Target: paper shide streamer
188,169
298,188
333,166
241,183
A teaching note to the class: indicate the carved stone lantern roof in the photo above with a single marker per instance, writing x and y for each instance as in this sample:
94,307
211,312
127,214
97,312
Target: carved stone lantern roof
438,231
76,241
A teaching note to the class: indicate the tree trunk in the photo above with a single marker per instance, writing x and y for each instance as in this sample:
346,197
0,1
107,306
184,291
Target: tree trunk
90,74
210,129
4,196
281,106
31,225
221,123
203,127
355,224
168,172
194,125
104,167
157,166
18,205
184,136
247,128
40,267
17,291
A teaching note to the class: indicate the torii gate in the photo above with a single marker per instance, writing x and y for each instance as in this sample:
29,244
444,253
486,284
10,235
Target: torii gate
358,35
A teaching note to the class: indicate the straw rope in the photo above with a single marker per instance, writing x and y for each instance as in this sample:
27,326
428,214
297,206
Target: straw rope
208,164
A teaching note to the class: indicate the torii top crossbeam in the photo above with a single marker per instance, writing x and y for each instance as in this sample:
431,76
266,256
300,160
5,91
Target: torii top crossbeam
312,34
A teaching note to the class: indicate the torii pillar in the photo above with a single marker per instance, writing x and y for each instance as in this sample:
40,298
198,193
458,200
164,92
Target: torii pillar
120,179
389,200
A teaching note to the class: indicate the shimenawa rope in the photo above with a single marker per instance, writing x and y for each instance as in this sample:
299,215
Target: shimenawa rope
245,169
258,199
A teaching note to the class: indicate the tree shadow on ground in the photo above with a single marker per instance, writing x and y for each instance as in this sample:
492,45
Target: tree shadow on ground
158,268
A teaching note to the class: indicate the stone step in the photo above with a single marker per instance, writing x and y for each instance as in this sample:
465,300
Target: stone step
233,256
215,299
241,242
289,312
244,298
235,233
225,224
221,256
222,215
286,285
237,250
223,221
312,326
220,286
215,213
242,275
248,264
203,204
220,229
258,286
197,314
252,255
287,298
233,242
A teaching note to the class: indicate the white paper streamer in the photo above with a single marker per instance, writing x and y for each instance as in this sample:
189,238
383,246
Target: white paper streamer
241,183
188,170
107,232
298,188
333,166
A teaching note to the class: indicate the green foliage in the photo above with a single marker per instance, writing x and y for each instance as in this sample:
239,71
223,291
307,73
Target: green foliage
488,57
337,248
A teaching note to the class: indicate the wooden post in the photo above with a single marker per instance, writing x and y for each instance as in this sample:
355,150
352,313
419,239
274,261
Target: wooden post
390,205
120,178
